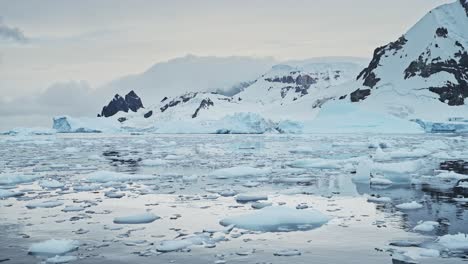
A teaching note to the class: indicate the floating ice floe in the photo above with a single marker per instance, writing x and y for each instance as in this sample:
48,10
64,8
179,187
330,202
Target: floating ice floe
409,206
381,155
53,247
287,253
277,219
72,208
245,198
454,242
397,171
153,162
61,259
363,171
11,179
110,176
426,226
239,171
207,238
113,194
260,205
8,193
379,199
316,163
380,181
51,184
43,204
143,218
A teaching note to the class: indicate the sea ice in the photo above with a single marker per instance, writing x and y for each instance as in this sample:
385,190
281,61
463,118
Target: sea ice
44,204
51,184
143,218
278,218
245,198
426,226
409,206
316,163
8,193
110,176
61,259
239,171
53,247
153,162
454,242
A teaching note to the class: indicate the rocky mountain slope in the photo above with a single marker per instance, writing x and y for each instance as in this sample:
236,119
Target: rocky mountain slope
420,77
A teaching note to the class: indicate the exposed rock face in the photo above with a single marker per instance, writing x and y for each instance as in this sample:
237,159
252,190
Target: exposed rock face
205,104
302,83
451,93
429,54
359,95
133,101
181,99
130,102
368,75
148,115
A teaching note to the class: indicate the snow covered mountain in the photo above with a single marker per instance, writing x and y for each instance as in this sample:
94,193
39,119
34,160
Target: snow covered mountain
416,83
423,74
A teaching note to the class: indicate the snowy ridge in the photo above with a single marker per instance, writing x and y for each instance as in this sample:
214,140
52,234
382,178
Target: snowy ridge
418,83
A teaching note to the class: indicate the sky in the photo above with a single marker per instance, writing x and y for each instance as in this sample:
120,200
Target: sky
64,45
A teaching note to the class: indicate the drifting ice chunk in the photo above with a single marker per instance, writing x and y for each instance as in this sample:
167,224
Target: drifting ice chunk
144,218
245,198
153,162
316,163
454,242
7,193
240,171
374,199
72,208
380,181
278,218
398,171
363,171
173,245
61,259
409,206
426,226
110,176
45,204
53,247
11,179
51,184
287,253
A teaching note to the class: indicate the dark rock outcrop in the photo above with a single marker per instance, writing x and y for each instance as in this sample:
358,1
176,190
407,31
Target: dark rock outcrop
359,95
133,101
118,103
368,75
181,99
149,114
451,93
442,32
205,104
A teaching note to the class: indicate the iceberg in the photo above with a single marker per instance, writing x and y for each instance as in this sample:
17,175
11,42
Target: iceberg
143,218
278,219
53,247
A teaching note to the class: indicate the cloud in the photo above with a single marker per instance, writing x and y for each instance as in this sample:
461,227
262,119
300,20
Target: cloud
72,98
11,33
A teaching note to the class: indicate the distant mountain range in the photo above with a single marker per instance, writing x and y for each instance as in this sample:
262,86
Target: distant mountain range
418,80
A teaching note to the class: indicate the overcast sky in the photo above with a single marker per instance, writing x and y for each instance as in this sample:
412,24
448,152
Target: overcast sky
54,41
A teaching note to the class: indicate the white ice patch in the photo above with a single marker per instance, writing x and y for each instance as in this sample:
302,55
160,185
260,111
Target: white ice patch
277,219
53,247
61,259
50,184
398,171
11,179
110,176
454,242
316,163
8,193
426,226
143,218
239,171
409,206
153,162
245,198
44,204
